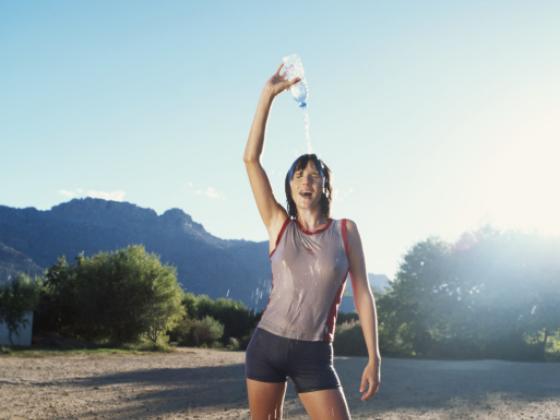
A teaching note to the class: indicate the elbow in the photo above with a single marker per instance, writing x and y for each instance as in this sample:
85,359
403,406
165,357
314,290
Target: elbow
250,159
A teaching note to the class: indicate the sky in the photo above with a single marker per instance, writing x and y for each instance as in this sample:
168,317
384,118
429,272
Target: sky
435,117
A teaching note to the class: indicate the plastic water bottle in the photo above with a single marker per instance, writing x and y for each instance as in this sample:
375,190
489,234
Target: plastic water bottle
300,94
293,67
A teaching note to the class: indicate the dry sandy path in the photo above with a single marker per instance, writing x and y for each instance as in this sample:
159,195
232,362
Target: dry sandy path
209,384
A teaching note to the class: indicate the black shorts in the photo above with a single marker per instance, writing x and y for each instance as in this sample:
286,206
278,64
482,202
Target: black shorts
309,364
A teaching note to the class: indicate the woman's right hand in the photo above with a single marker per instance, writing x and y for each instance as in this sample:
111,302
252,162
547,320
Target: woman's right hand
278,83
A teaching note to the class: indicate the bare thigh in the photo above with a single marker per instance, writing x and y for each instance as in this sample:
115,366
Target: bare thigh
266,399
325,404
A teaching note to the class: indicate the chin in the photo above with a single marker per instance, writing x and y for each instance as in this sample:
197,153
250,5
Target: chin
309,206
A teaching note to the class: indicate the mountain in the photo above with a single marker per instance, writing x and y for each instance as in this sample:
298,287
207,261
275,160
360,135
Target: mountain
13,261
379,284
31,240
205,264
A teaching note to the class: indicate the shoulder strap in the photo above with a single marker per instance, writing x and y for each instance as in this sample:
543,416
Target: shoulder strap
282,229
345,238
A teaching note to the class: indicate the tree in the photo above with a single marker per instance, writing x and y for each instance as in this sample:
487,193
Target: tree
165,309
113,297
57,303
238,321
477,297
16,298
415,311
206,331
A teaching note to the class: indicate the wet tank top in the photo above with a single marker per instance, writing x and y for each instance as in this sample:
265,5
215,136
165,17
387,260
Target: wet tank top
309,271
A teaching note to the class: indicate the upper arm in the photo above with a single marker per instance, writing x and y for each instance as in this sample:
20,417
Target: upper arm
358,273
272,213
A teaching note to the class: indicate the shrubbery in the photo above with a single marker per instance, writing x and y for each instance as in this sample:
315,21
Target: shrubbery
126,297
236,320
16,298
349,339
198,332
491,294
111,298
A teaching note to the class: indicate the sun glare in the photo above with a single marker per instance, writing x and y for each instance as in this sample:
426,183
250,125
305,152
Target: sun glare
520,184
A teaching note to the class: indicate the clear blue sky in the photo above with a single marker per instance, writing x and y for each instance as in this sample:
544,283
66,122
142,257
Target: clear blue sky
435,117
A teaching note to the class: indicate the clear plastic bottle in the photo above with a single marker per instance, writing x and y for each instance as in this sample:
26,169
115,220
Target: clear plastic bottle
293,67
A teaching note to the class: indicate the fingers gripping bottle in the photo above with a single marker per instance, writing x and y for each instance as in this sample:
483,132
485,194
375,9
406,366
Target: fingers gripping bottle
293,67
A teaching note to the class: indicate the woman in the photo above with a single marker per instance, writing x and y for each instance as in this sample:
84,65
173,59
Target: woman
311,255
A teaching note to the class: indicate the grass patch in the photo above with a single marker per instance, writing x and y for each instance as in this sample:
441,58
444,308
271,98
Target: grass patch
49,351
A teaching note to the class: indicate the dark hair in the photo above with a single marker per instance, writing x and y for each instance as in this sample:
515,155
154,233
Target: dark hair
326,194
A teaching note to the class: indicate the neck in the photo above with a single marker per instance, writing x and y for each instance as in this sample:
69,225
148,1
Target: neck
311,219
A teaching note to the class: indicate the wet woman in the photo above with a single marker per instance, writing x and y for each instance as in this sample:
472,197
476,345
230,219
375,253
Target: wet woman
311,256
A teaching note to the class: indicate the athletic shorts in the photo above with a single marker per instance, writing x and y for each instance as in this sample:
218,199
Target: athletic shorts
272,358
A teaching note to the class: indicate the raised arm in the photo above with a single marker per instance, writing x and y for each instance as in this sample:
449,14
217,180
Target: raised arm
272,213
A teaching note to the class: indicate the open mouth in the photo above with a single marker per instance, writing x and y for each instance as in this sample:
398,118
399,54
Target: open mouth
305,194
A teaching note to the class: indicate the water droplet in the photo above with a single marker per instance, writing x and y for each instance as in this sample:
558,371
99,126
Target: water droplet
306,126
533,309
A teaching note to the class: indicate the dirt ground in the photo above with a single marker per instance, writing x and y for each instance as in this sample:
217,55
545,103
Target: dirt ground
209,384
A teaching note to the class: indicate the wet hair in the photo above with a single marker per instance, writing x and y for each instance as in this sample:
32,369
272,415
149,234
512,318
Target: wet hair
326,195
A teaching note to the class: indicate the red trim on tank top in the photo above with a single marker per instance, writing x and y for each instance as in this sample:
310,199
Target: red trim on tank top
331,320
345,239
346,245
329,335
279,236
269,295
308,232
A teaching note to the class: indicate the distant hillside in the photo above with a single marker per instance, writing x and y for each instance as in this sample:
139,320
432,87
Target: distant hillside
13,261
31,240
379,284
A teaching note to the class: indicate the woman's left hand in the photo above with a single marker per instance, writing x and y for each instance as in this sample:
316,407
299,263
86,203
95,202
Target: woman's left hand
371,378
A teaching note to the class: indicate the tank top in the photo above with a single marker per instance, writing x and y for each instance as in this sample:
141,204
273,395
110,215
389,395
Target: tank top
309,271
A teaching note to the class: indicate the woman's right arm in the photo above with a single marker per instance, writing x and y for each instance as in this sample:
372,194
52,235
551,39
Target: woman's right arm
272,213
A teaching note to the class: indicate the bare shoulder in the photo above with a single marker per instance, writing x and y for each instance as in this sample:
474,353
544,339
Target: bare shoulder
354,240
351,227
356,257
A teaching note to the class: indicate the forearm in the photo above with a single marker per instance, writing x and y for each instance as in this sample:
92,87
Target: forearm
367,311
254,146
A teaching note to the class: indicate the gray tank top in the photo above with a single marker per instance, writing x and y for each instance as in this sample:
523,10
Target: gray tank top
309,271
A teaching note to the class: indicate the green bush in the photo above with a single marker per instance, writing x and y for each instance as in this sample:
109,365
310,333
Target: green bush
349,339
343,317
198,332
206,331
236,318
180,333
16,298
244,340
111,298
233,344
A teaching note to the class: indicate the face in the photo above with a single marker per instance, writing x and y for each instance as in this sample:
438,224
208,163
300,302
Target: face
307,186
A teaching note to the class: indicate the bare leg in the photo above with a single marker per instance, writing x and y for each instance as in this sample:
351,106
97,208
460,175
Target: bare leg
266,399
325,404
